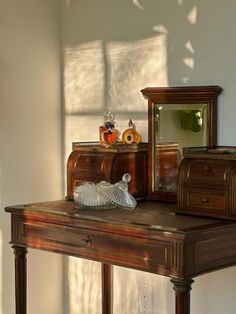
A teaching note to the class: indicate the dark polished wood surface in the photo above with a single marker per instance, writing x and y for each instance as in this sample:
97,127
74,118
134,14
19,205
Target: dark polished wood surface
91,162
206,186
149,215
151,238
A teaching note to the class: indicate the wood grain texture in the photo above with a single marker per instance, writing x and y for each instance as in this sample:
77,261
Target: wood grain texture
207,187
93,163
151,238
107,291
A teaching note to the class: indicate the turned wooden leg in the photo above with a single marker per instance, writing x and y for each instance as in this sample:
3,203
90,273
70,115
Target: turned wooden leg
182,289
106,289
20,278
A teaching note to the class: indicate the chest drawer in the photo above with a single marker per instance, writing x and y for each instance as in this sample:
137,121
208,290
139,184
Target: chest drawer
207,172
94,163
91,167
90,161
206,201
114,248
207,187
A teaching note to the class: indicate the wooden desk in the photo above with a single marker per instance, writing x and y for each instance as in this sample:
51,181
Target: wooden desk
150,238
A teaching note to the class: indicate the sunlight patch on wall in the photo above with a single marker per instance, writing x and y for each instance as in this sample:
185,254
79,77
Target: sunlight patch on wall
185,79
189,62
189,46
84,78
137,4
68,2
160,29
83,92
84,284
133,66
180,2
127,300
192,16
81,128
94,74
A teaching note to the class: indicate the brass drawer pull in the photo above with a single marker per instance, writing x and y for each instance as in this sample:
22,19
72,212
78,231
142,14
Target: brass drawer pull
205,200
86,242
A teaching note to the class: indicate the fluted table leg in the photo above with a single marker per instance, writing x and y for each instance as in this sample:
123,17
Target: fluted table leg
20,279
182,289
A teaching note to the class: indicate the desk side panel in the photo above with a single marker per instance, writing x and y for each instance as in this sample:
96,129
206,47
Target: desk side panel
211,250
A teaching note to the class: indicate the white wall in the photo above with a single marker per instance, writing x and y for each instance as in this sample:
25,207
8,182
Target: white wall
112,49
30,139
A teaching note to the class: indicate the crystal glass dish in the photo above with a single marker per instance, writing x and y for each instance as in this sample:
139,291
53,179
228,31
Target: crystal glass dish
117,194
86,196
104,195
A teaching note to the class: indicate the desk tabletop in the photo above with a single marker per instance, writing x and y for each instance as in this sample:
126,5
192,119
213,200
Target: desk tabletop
152,237
152,215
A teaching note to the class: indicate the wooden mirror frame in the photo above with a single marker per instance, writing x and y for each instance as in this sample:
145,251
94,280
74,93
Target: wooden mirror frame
178,95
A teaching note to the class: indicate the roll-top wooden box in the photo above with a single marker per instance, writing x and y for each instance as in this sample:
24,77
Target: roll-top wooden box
207,182
93,163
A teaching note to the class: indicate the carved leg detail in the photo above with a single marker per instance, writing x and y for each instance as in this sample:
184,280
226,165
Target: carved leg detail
20,278
182,289
106,289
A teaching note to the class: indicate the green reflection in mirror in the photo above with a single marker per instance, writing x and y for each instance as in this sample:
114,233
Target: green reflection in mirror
185,124
191,120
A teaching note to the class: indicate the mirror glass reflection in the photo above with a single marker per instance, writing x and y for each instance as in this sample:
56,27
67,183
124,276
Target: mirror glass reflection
175,126
178,117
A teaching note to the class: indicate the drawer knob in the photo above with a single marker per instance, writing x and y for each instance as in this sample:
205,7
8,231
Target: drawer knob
86,242
205,200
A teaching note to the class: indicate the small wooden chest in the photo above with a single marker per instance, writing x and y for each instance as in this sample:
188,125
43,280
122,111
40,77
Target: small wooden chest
93,163
207,182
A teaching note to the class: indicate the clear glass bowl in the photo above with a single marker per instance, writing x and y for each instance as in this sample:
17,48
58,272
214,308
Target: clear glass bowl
117,194
104,195
86,196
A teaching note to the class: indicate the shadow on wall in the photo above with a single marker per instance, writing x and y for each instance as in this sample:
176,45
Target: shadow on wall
112,49
91,84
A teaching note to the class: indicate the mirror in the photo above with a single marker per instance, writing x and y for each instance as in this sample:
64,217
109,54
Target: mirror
177,117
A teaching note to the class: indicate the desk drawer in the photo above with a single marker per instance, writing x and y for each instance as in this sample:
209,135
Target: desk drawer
115,248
